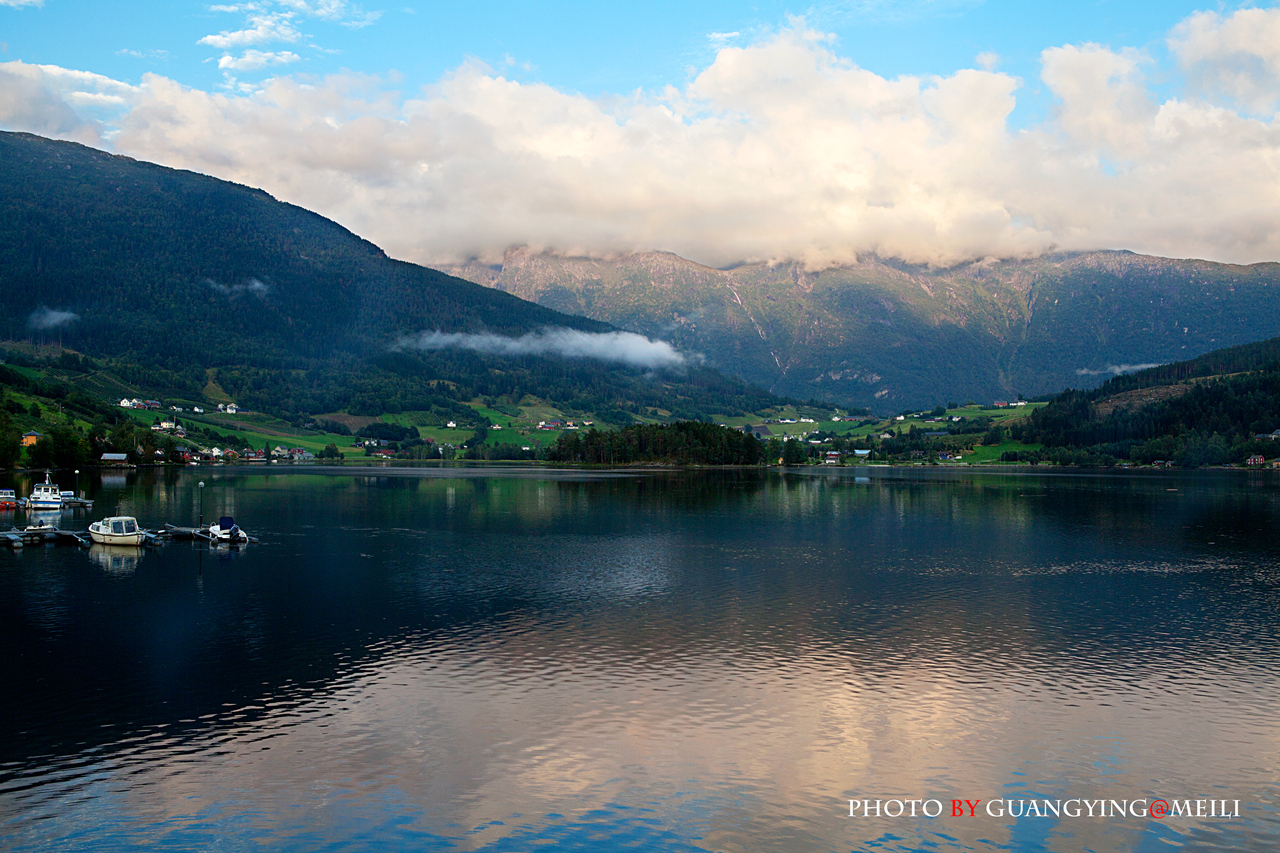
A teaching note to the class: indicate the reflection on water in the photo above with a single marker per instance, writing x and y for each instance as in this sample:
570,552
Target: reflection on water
116,559
719,660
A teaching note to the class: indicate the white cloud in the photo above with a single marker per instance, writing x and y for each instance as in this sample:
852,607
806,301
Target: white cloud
50,318
252,287
19,3
340,11
1237,56
778,149
58,102
252,60
620,347
1116,369
261,29
141,54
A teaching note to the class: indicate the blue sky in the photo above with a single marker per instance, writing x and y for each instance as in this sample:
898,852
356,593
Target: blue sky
588,47
937,131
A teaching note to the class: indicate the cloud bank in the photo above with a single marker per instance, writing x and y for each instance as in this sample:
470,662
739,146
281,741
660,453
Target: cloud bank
779,149
232,291
619,347
50,318
1116,369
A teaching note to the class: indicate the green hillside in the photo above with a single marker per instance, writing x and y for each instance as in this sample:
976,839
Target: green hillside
1218,408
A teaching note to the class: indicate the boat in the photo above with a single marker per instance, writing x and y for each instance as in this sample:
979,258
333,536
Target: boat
45,495
8,499
70,501
227,532
117,530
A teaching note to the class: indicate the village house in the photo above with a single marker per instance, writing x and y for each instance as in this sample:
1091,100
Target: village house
1255,459
31,438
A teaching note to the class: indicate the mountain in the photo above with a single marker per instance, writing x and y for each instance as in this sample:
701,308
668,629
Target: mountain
891,336
204,290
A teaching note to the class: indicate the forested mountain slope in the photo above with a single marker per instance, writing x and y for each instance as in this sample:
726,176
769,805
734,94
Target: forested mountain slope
180,280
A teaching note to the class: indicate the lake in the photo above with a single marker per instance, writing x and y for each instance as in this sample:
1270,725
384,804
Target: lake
516,659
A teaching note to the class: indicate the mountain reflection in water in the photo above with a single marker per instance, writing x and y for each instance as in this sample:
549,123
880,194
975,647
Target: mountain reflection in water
496,659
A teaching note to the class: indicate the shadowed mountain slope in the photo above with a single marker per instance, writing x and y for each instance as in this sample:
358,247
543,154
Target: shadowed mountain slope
891,336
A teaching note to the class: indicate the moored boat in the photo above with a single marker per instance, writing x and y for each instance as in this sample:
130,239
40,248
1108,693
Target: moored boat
45,495
70,501
117,530
8,499
227,532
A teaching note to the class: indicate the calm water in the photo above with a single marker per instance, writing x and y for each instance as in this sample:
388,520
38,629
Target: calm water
502,660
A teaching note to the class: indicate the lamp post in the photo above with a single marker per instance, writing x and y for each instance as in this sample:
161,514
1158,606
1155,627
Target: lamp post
78,484
200,491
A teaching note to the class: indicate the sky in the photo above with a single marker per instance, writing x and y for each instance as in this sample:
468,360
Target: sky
935,131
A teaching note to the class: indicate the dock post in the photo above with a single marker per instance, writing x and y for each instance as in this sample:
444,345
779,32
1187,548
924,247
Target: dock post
200,491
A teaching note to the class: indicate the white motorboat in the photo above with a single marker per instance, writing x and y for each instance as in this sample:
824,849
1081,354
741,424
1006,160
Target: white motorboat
117,530
45,495
71,501
42,522
227,532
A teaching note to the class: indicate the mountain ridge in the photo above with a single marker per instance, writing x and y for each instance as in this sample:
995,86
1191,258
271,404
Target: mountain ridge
887,334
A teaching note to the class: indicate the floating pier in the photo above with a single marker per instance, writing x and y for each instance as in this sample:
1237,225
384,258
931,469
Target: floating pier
17,538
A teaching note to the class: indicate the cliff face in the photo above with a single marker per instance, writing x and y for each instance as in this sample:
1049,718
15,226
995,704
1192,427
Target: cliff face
890,335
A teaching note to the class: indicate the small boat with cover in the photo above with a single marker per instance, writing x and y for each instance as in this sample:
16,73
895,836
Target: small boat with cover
117,530
227,532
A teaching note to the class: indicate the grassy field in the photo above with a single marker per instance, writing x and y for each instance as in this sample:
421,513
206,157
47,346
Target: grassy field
984,454
510,424
271,431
